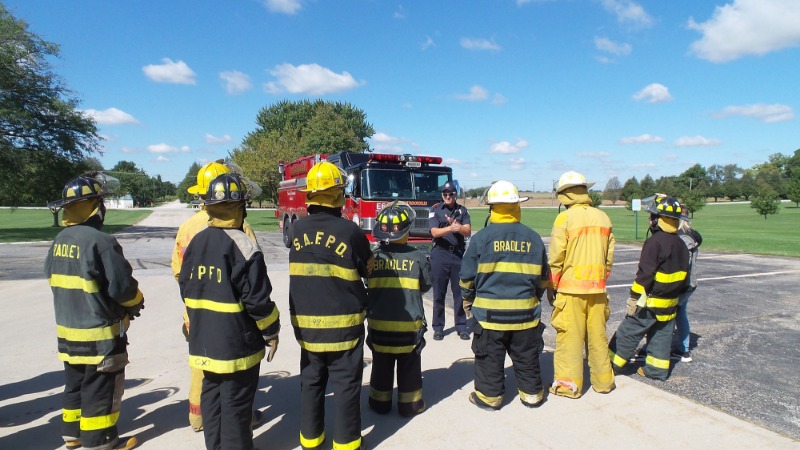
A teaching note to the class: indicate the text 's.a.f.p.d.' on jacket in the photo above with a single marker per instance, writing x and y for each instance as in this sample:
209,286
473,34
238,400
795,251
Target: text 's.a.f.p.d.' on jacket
224,283
327,297
505,271
663,267
395,314
581,250
93,290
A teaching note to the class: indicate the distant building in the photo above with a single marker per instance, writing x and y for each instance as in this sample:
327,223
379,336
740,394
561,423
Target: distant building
124,202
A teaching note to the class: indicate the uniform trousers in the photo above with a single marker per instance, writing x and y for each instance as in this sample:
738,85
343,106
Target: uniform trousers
580,321
490,348
659,341
445,266
409,381
227,401
345,370
91,405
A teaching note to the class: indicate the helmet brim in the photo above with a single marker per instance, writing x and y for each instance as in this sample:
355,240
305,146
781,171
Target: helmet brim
588,184
195,190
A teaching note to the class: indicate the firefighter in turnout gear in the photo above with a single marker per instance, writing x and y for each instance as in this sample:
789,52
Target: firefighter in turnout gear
395,315
188,229
95,298
581,254
503,276
328,258
226,289
653,301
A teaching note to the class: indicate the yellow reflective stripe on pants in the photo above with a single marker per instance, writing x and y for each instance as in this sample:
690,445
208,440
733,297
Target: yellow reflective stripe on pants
88,334
74,282
323,270
509,326
505,304
327,322
491,401
99,422
658,363
409,397
381,396
71,415
311,443
394,283
616,360
212,305
354,445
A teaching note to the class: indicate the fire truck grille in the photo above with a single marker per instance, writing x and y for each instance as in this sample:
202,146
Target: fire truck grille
421,223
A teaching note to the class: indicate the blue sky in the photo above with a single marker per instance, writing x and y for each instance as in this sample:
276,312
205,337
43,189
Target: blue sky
521,90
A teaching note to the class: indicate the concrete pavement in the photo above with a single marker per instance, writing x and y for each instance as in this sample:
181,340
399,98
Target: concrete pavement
155,405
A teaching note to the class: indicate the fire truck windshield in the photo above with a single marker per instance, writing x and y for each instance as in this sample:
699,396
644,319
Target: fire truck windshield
385,184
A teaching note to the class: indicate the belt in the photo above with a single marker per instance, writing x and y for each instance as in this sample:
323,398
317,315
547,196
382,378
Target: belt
449,248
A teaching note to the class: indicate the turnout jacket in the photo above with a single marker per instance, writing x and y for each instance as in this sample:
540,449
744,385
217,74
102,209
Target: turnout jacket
224,284
328,258
505,273
94,294
661,276
399,275
581,250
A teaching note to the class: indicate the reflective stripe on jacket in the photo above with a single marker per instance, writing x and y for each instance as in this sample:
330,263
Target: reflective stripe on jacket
93,290
505,271
395,314
581,250
327,297
225,286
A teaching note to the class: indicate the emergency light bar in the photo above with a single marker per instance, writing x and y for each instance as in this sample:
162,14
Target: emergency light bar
384,157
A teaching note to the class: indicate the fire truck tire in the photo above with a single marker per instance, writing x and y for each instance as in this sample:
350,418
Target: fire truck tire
287,232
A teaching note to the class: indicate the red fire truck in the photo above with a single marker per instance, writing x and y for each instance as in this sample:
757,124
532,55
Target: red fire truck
373,181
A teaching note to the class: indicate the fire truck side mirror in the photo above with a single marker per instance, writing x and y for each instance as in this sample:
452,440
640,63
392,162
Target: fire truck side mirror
350,187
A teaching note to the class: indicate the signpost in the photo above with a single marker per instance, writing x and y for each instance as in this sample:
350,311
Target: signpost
636,206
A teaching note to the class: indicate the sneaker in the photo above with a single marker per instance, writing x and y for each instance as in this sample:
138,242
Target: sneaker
683,356
473,398
464,335
438,335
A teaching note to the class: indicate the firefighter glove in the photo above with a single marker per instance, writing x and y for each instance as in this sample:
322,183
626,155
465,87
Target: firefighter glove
630,308
272,343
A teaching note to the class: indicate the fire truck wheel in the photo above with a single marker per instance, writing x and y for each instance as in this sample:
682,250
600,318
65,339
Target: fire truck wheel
287,233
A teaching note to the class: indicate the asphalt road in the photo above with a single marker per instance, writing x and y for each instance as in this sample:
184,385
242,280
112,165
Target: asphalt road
745,319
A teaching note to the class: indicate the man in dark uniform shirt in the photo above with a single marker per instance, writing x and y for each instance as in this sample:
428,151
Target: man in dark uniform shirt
450,225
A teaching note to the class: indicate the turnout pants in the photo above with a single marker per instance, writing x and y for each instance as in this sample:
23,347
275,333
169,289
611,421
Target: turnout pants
409,381
227,401
91,405
580,321
345,370
445,266
632,330
490,348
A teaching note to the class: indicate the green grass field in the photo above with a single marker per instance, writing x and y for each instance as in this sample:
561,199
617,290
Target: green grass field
725,227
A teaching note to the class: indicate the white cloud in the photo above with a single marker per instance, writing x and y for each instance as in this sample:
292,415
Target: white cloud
214,140
615,48
747,27
595,155
428,43
166,148
767,113
697,141
310,79
505,147
110,116
641,139
162,158
516,164
476,94
126,149
628,11
654,93
479,44
235,82
177,72
383,142
284,6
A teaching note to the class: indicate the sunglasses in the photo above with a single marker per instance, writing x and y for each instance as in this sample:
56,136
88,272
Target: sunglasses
448,194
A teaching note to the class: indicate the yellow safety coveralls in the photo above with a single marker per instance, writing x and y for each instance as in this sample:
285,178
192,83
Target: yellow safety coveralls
581,253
